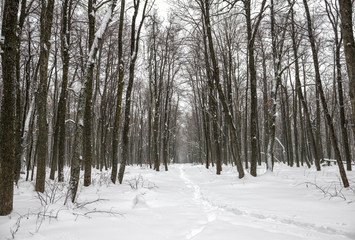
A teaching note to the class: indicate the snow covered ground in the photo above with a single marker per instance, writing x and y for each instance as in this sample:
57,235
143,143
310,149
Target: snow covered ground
190,202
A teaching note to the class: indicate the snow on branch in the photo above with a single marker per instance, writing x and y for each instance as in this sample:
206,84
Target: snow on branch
100,32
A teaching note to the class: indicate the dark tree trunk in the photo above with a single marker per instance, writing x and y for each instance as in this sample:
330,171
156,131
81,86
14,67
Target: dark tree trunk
318,129
347,32
45,35
212,103
166,120
246,120
7,143
265,102
119,95
251,32
66,28
295,127
334,19
19,123
150,116
59,133
88,101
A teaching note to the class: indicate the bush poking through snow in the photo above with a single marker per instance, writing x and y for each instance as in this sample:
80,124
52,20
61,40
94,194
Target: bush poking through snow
138,182
101,179
47,212
333,190
17,225
55,199
54,192
82,205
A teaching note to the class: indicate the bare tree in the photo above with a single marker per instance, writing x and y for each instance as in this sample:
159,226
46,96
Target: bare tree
277,51
78,142
322,97
134,47
60,130
331,9
205,7
252,29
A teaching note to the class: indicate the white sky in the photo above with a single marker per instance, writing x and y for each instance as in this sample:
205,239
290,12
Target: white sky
163,7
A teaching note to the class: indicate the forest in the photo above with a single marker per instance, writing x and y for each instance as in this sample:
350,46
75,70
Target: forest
102,85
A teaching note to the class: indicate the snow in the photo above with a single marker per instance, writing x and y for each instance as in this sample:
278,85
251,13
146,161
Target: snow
70,121
76,87
81,122
100,32
190,202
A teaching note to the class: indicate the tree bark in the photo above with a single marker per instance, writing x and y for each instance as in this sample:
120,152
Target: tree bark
45,35
119,95
251,32
7,136
66,29
347,33
87,131
334,19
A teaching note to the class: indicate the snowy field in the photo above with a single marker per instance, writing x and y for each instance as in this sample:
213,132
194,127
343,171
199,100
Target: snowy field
190,202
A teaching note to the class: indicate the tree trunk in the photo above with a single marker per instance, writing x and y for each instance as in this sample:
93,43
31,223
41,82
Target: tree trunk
7,143
88,100
212,102
251,33
66,28
347,32
334,19
45,35
119,95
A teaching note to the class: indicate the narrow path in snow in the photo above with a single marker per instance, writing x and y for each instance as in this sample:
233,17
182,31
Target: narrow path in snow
210,210
258,220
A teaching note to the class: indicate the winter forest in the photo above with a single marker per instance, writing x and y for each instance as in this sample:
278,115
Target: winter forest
186,119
